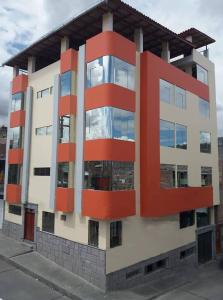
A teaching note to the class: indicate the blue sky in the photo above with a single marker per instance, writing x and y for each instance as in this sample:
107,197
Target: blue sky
22,22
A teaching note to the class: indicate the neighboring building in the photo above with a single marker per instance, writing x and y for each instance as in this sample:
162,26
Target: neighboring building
112,170
3,135
219,209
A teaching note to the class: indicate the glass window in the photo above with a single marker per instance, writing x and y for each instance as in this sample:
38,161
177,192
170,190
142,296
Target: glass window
45,92
206,176
64,130
166,91
167,134
108,175
205,142
204,108
180,98
41,172
202,74
187,219
63,172
182,177
14,174
17,102
93,230
203,217
15,137
15,209
65,84
109,122
48,221
39,94
167,176
109,69
51,90
41,131
48,130
115,234
181,136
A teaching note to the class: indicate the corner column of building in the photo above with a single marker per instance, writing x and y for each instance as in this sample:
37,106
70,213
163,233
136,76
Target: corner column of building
107,22
138,38
165,54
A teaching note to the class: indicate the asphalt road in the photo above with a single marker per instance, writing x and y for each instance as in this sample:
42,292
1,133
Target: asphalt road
16,285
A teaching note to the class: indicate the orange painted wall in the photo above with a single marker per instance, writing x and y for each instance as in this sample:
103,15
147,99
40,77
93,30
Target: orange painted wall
110,43
17,119
19,84
67,105
109,94
156,202
68,61
109,149
65,200
15,156
13,193
108,205
66,152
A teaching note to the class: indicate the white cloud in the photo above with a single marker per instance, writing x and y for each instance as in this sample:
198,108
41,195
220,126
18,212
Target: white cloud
24,21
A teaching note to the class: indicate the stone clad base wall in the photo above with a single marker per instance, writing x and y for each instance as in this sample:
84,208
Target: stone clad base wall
90,263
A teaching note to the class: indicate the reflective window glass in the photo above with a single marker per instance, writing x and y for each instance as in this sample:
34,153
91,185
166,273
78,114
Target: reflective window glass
14,174
109,122
205,142
167,176
65,84
41,131
109,175
204,108
63,172
48,130
45,92
64,129
110,69
167,134
206,176
15,137
180,98
202,74
181,136
182,176
17,101
166,91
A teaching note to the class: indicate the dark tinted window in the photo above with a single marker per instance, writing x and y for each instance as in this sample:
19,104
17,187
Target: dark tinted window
15,209
63,171
187,218
93,229
115,234
42,171
14,174
203,217
48,222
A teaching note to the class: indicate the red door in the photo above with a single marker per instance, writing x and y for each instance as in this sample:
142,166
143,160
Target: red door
29,225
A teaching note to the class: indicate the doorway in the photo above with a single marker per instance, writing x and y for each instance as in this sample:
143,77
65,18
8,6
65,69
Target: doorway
29,224
205,251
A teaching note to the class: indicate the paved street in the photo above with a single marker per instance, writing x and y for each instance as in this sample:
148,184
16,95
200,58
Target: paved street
15,285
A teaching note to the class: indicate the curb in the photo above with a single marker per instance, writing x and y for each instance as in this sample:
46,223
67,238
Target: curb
42,279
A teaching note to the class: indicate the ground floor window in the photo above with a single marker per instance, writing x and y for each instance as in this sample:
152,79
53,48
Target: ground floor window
93,232
15,209
187,218
115,234
162,263
203,217
48,222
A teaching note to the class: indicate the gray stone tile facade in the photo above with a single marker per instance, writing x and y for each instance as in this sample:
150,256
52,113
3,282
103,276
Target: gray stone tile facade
12,230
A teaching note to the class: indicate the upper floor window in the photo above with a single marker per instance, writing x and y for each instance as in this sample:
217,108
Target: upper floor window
14,174
167,134
204,108
187,219
64,129
109,175
47,130
110,69
182,176
172,94
206,176
63,175
110,122
41,172
65,83
205,142
201,74
45,92
17,102
167,176
15,137
181,136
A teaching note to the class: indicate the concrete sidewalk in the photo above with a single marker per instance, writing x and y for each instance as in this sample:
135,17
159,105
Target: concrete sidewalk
32,263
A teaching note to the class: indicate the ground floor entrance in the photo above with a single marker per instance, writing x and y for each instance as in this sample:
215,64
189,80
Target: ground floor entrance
29,224
205,247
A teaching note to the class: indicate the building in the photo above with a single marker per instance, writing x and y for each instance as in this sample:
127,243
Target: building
219,209
3,135
112,168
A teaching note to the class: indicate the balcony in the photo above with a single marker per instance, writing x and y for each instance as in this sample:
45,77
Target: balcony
15,156
13,193
108,205
66,152
65,200
17,119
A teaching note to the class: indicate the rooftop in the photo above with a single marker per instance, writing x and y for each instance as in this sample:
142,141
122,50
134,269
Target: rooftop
89,23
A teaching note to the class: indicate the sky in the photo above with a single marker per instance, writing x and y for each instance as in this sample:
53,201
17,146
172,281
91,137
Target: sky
22,22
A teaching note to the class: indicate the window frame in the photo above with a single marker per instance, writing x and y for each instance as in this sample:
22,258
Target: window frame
50,217
115,234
